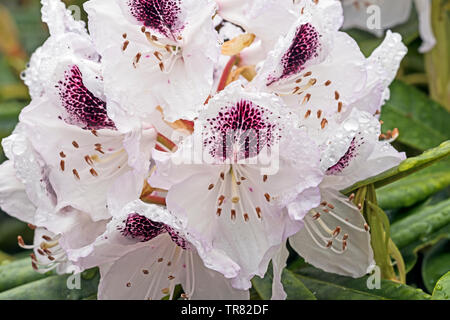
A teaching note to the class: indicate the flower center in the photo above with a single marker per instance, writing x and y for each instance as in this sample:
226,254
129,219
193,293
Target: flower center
304,46
83,108
240,131
159,15
142,228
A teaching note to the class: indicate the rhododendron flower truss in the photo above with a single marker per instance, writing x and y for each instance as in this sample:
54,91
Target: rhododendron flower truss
364,14
231,179
67,121
159,52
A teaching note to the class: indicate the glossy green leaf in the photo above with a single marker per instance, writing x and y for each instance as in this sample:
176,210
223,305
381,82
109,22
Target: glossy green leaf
422,123
425,226
328,286
435,264
55,288
17,273
416,187
405,168
293,286
442,289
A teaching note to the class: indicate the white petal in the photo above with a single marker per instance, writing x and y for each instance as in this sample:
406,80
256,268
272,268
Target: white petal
13,197
279,263
354,258
425,26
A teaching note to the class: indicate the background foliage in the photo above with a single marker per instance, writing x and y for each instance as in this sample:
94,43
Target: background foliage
418,206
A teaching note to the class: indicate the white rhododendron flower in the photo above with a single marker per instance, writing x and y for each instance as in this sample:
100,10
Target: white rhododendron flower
155,53
184,142
358,14
232,178
145,251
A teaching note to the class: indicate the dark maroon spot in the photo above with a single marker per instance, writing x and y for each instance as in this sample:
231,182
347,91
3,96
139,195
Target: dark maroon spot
83,108
345,160
178,239
159,15
141,228
303,48
240,131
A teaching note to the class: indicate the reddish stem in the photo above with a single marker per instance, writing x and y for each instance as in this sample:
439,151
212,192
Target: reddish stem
226,72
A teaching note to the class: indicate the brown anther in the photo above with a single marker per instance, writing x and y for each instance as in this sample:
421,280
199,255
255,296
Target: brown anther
246,217
306,98
313,81
336,95
145,271
307,114
128,284
48,252
93,172
238,183
327,83
88,160
295,90
75,173
75,144
62,154
169,263
319,114
33,257
184,296
51,258
336,231
339,106
125,45
219,212
243,178
377,112
138,57
233,214
345,237
351,197
329,244
265,178
359,206
46,238
267,196
316,216
220,200
222,176
34,265
143,29
160,260
298,80
94,132
323,203
323,123
330,206
40,252
124,36
62,165
210,186
161,66
366,227
158,55
258,212
170,277
307,74
344,245
325,210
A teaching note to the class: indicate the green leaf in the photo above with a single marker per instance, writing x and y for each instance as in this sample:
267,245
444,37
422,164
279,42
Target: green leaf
422,123
425,226
328,286
435,264
405,168
416,187
55,288
17,273
442,289
293,286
